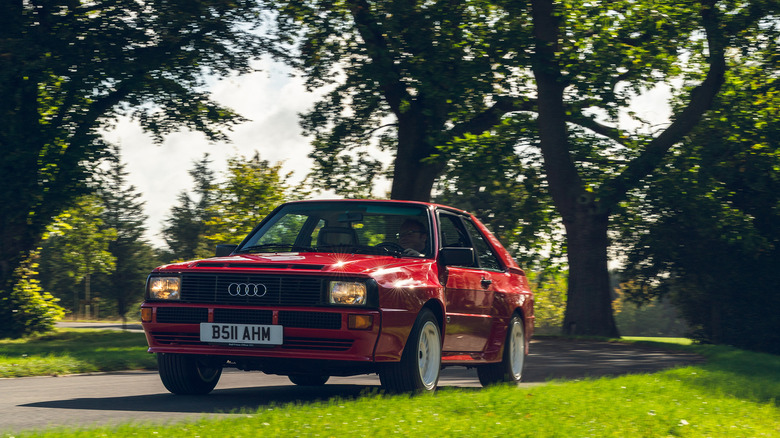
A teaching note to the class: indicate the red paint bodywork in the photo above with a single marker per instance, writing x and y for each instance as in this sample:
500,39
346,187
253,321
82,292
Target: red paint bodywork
473,317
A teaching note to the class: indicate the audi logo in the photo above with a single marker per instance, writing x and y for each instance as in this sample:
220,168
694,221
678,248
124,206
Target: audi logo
247,290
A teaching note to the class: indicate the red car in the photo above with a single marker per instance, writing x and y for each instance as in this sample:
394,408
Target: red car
345,287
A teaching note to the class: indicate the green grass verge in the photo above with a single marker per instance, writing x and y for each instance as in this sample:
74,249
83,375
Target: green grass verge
735,393
678,341
72,351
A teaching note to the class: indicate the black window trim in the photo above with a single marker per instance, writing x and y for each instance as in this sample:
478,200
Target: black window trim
463,218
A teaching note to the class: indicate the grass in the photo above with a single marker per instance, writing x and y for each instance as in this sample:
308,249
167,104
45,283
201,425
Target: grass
72,351
735,393
678,341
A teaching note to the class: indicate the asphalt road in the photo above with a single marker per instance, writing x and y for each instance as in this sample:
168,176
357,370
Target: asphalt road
139,396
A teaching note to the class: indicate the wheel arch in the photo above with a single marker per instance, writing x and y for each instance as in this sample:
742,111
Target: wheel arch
437,308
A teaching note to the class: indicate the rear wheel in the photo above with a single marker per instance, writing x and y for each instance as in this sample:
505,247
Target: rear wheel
308,379
510,369
187,375
418,370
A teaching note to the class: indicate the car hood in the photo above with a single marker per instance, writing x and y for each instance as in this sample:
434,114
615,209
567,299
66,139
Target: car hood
387,270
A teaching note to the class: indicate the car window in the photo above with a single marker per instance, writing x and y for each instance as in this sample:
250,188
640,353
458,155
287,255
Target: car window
487,259
452,232
364,227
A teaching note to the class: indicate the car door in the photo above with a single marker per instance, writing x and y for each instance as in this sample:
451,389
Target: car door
468,294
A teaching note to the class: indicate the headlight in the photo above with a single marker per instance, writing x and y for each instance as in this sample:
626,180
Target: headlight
347,292
164,288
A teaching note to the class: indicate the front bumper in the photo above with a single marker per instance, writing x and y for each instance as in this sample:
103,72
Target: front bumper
308,332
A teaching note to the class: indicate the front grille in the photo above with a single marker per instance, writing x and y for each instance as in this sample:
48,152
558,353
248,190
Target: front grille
263,290
177,338
318,320
182,315
317,344
243,316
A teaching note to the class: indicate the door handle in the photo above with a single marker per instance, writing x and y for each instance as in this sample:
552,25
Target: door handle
486,282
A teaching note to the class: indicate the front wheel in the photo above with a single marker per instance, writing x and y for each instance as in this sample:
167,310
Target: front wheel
510,369
187,375
418,370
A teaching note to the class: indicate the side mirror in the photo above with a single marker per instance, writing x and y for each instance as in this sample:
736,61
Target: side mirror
225,250
456,256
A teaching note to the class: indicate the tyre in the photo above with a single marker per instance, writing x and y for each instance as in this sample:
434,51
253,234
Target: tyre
510,369
187,375
418,370
308,379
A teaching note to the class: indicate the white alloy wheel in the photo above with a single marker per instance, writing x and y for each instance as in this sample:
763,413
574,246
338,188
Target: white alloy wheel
510,369
429,355
516,348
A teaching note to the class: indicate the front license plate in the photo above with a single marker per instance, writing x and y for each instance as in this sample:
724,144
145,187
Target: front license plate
244,334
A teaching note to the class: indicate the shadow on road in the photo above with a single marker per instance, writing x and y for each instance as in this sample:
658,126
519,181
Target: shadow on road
549,359
230,400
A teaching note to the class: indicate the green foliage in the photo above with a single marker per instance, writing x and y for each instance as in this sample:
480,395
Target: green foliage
121,289
68,69
706,232
185,228
412,77
402,76
549,289
74,351
251,190
28,309
503,185
225,211
658,317
81,238
77,244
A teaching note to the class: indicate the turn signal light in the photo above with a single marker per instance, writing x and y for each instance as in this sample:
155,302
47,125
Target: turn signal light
360,322
146,314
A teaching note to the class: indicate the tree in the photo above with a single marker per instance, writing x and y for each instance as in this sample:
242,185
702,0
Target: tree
445,69
706,233
123,212
69,68
80,238
185,228
251,190
415,72
501,184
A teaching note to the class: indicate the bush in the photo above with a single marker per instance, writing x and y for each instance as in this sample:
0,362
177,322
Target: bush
549,300
27,309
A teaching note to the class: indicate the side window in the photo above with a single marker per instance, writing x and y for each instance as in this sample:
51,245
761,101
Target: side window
487,259
452,233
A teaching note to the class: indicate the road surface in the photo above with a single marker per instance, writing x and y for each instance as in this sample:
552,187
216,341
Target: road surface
139,396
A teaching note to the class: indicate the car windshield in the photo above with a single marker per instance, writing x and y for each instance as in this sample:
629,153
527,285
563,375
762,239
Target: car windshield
347,227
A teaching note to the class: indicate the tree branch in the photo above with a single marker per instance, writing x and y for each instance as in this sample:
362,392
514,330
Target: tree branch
609,132
491,116
379,51
701,99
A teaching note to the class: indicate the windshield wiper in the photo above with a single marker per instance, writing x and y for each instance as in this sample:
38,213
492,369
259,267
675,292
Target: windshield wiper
274,246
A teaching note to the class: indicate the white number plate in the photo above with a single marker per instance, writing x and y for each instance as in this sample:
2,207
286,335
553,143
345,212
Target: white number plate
246,334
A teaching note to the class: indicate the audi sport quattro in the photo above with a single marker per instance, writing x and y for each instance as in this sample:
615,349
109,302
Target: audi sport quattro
344,287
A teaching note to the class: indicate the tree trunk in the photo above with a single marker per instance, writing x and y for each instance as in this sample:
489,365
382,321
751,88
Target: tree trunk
87,297
589,301
413,179
588,308
414,170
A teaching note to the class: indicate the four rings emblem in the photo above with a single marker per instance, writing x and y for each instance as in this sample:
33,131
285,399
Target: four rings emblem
247,290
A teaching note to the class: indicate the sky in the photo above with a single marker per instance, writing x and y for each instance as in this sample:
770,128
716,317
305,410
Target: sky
271,100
